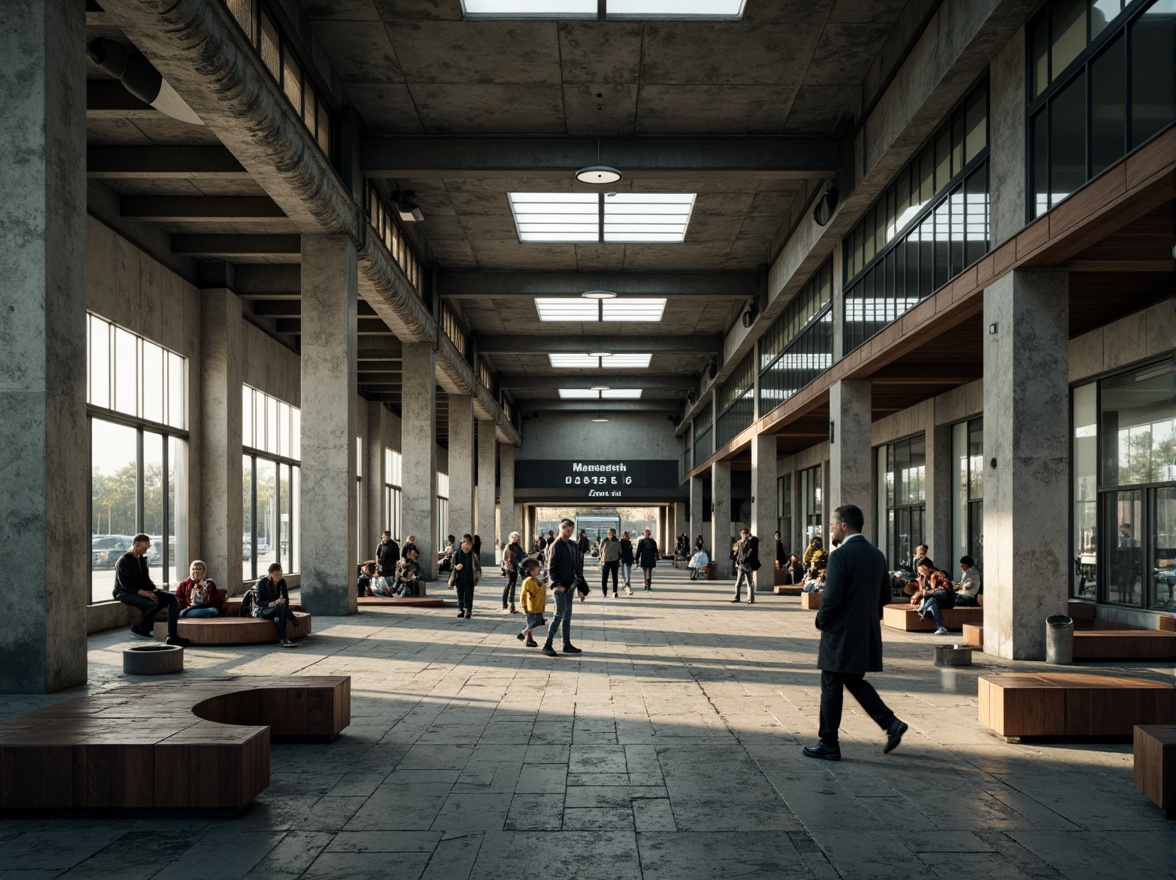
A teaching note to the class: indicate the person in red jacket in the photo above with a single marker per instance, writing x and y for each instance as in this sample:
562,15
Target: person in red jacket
198,595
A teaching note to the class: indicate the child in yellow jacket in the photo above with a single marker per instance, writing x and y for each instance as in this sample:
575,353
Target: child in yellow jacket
534,598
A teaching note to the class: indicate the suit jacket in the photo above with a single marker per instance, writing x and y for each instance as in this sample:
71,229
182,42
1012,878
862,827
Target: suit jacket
857,585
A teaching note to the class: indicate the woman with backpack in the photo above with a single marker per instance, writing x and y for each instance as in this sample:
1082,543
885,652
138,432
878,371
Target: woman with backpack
512,557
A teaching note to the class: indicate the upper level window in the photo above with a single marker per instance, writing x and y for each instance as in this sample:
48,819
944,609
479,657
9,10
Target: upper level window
712,9
133,376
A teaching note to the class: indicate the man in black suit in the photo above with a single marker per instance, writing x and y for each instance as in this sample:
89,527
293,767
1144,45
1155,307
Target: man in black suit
857,585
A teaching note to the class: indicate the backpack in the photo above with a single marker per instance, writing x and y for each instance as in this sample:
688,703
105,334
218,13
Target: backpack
248,604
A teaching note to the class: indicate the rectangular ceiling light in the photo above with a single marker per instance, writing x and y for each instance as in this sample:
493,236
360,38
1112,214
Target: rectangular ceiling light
621,394
633,309
647,217
652,9
675,8
553,217
567,309
588,362
578,394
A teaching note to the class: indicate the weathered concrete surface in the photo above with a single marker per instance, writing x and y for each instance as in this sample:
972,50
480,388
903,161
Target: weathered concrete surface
418,446
722,529
764,512
851,479
461,465
487,471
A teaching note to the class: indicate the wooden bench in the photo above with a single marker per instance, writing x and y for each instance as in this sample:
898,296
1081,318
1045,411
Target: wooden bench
411,601
811,601
1107,640
905,617
788,590
235,630
1072,704
1155,765
973,635
181,747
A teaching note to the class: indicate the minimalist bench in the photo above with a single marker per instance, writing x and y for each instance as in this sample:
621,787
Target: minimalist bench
182,747
788,590
973,635
811,601
1105,640
410,601
235,630
1072,704
1155,765
904,616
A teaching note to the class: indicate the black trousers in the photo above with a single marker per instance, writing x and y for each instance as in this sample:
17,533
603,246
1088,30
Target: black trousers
279,614
508,592
465,595
151,607
832,698
614,568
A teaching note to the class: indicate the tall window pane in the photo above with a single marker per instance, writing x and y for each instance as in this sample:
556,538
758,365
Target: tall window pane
267,514
1084,483
1108,109
285,535
153,381
154,500
295,518
176,398
1069,33
1163,542
1040,163
1153,82
1123,528
99,363
177,510
126,378
1067,139
113,501
248,551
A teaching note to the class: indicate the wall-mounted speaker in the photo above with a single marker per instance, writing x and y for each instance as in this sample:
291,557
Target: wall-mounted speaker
712,370
826,205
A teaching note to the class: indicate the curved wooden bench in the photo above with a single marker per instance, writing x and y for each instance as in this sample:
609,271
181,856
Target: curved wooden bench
197,747
235,630
411,601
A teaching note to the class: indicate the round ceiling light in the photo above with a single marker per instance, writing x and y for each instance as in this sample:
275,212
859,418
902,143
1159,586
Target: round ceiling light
598,174
598,294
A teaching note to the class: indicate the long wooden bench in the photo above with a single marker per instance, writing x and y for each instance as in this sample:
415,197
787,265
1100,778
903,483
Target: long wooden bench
1106,640
1155,765
236,630
788,590
410,601
191,747
1072,704
905,617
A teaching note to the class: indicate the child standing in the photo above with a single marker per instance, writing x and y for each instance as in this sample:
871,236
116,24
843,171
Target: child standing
534,598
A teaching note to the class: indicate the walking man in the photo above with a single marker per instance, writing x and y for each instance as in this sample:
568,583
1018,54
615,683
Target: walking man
565,566
610,561
647,558
748,562
857,585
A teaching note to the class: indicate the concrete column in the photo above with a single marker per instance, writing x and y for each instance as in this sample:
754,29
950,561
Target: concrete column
681,524
375,516
721,517
696,509
839,308
511,519
937,486
220,377
1026,453
764,512
851,472
461,466
329,422
418,448
487,490
42,332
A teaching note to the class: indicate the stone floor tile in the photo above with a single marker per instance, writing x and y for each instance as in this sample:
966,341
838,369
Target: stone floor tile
585,818
585,855
60,848
653,814
385,841
535,812
542,779
1089,856
362,866
454,857
686,856
473,811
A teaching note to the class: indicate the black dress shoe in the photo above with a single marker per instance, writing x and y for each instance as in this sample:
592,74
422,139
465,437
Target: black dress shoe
894,735
822,751
736,599
571,649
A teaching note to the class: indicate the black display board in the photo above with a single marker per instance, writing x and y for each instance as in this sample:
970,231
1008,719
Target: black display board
604,480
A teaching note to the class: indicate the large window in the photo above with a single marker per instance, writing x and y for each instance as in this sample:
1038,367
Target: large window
271,477
393,484
798,346
735,401
359,523
136,393
967,494
1084,489
902,469
811,502
702,435
929,225
1102,80
784,510
442,509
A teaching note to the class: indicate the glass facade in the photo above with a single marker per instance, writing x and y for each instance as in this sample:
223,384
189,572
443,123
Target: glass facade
811,492
137,407
1102,80
702,435
798,346
442,509
930,224
1123,521
967,495
784,510
270,472
393,483
735,401
902,498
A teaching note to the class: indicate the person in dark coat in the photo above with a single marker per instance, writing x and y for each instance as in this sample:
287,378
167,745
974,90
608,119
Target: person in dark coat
781,553
748,562
387,555
465,565
857,585
646,554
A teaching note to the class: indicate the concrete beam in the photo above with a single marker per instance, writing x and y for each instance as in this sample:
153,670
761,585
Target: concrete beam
195,208
617,344
166,162
659,382
644,157
214,246
713,285
108,99
607,406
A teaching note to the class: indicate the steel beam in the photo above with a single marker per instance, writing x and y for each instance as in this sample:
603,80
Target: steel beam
166,162
601,406
787,158
702,344
626,379
713,285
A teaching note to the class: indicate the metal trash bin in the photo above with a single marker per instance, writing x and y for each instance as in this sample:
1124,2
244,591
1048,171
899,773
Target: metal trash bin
1059,639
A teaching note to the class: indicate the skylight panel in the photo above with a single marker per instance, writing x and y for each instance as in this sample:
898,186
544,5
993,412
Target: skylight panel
651,9
527,8
633,309
578,394
573,361
554,217
647,217
675,8
567,309
621,394
627,361
605,394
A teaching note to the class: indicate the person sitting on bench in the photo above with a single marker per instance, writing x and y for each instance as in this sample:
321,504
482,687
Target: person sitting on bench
935,593
968,588
794,569
365,584
409,579
816,582
197,596
133,586
697,567
273,602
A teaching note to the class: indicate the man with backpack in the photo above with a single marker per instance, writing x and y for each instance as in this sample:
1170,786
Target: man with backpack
565,567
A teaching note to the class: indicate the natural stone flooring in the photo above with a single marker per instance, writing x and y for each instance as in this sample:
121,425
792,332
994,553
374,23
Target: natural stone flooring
669,750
